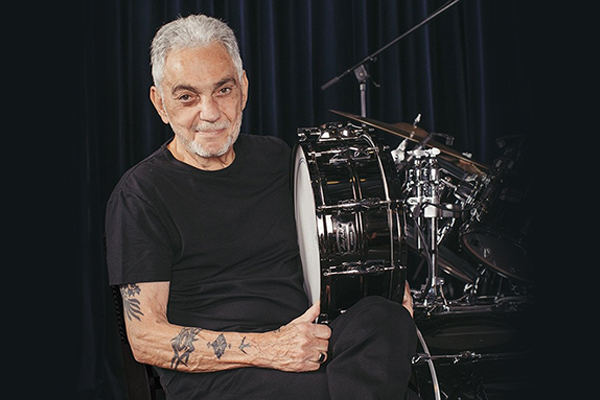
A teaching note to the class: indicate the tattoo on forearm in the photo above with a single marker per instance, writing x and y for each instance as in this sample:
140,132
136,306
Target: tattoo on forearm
244,345
183,346
219,345
131,306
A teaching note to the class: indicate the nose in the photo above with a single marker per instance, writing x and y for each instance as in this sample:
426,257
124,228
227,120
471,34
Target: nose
209,110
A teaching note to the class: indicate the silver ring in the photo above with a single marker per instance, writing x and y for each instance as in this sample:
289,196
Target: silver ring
322,357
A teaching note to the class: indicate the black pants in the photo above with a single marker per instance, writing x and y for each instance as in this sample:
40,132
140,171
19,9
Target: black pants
370,353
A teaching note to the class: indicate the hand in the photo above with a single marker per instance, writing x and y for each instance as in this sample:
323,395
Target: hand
408,301
298,345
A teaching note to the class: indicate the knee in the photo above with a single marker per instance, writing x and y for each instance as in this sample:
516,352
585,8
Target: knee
380,320
385,326
379,311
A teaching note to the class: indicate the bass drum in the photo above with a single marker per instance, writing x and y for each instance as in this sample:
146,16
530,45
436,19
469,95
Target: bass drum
480,352
348,218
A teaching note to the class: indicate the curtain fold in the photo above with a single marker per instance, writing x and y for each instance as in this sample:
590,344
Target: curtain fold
462,72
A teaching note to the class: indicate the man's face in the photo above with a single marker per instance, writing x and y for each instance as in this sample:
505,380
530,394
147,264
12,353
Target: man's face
202,99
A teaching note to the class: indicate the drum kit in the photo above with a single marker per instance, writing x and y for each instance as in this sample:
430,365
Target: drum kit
369,218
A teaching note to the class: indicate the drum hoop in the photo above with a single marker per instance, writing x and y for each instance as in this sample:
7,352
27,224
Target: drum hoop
312,272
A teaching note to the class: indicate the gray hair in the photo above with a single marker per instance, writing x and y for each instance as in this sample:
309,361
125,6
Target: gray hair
189,32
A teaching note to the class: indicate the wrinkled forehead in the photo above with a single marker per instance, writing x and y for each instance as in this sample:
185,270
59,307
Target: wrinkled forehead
203,64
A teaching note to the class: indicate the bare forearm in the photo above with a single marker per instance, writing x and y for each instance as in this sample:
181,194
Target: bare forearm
154,341
192,349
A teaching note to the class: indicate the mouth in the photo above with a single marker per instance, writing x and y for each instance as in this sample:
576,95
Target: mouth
212,131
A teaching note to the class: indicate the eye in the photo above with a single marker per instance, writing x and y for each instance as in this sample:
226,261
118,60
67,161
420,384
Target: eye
224,91
187,99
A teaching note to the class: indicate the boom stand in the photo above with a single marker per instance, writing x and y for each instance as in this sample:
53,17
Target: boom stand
359,68
361,75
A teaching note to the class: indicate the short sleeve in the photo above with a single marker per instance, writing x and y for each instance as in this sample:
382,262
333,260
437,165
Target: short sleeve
137,243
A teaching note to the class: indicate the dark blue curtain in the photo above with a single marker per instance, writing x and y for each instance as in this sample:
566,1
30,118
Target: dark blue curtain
463,72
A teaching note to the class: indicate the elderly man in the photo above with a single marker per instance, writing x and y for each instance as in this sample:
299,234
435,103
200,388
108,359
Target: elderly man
201,240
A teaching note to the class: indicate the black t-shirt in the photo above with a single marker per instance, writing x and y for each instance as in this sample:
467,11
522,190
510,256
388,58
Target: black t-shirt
226,240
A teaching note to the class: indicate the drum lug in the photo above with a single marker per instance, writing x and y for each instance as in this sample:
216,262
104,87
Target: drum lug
357,268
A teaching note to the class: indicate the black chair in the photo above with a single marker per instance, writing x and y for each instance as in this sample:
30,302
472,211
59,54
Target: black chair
141,381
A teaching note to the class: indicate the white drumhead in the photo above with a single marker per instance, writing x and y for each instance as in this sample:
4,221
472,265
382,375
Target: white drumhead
306,226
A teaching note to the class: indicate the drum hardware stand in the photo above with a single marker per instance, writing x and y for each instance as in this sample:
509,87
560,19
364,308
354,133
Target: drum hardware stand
424,183
466,355
424,207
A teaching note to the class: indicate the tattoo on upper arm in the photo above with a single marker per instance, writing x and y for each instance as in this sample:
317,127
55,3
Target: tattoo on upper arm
131,306
183,346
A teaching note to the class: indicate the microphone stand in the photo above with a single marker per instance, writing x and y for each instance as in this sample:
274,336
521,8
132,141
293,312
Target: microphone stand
359,68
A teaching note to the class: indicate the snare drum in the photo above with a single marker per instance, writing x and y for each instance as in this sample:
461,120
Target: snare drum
348,218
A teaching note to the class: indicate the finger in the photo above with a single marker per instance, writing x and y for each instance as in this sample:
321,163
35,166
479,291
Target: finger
309,315
407,293
321,331
407,301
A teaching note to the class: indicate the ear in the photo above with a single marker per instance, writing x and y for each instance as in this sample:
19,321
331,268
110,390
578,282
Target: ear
244,85
158,104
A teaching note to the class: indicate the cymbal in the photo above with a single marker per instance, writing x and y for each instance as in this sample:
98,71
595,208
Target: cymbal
417,135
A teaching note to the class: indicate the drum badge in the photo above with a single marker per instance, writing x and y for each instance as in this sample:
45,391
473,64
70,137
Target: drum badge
346,237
